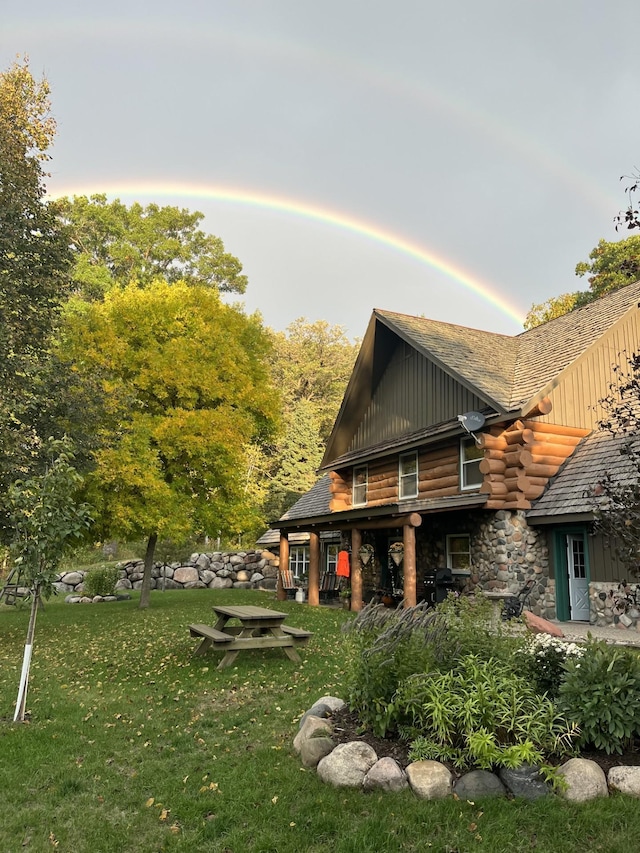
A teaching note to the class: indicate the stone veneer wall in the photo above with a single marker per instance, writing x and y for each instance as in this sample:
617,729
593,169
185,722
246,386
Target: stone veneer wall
218,570
616,605
506,553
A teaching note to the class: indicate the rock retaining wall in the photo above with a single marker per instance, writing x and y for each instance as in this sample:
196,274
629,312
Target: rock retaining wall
218,570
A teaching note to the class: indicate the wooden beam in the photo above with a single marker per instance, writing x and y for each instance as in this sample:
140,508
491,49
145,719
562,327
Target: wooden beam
409,565
356,571
281,595
313,593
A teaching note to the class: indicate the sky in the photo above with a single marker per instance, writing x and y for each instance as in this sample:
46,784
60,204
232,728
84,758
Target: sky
451,160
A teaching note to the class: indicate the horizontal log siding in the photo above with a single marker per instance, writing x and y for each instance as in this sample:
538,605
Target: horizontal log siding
412,394
519,463
587,381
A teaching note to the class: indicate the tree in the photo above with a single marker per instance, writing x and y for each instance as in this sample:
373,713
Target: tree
115,245
34,263
46,518
554,307
611,265
189,392
311,364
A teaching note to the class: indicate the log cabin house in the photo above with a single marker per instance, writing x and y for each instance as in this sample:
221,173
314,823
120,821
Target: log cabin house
450,458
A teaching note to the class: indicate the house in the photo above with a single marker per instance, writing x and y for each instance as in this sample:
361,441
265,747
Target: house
451,456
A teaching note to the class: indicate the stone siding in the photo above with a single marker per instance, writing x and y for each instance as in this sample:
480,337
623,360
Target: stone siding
616,605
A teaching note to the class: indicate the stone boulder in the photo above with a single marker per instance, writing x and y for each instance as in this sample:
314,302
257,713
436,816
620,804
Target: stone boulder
385,775
478,784
347,765
538,625
429,780
314,749
626,780
312,727
585,780
186,574
221,583
525,782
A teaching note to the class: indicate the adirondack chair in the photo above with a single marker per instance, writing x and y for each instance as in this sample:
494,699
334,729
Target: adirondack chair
288,582
329,586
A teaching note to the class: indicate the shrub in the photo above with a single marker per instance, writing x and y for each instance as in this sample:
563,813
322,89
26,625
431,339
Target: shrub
101,581
542,658
481,715
386,647
471,631
601,694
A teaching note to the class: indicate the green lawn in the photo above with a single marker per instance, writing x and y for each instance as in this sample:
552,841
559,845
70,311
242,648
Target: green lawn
134,745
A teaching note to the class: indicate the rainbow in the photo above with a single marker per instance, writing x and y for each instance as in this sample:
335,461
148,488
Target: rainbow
311,212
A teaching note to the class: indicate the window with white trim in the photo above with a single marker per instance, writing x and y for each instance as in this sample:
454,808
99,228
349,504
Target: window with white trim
299,562
360,483
332,558
408,476
470,458
459,551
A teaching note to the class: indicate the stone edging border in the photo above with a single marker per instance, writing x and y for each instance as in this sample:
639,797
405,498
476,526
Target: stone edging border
356,765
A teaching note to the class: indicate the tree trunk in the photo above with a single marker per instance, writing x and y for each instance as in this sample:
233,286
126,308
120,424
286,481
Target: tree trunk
145,592
26,661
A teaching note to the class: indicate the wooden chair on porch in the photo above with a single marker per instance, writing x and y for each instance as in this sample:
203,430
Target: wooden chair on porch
329,586
288,582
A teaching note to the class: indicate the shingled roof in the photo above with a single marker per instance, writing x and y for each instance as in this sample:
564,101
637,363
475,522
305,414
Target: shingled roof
511,370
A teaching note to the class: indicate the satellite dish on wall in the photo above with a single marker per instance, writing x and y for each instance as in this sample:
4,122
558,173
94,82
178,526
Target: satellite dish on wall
472,422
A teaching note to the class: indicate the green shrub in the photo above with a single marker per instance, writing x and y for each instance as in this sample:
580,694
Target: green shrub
601,694
471,630
542,658
385,647
481,715
101,580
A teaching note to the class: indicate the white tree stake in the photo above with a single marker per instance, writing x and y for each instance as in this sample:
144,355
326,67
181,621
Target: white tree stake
26,661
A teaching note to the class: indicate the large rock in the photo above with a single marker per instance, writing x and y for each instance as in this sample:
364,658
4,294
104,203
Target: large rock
525,782
72,578
626,780
314,749
333,702
385,775
221,583
319,709
347,765
429,780
312,727
538,625
243,576
585,780
478,784
186,574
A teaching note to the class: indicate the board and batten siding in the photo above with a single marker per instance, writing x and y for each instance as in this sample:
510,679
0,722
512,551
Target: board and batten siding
412,394
582,384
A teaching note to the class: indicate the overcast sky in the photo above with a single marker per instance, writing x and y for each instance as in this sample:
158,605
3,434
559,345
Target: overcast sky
450,159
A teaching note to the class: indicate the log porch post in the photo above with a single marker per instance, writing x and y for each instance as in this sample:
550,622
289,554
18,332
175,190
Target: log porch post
283,560
409,540
356,572
313,593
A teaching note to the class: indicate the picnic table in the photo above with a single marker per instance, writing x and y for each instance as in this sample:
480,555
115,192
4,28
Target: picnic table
259,628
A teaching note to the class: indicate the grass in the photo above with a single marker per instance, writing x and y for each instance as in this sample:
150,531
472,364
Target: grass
134,745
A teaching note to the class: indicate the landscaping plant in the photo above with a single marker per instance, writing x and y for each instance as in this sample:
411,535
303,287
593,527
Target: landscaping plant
101,581
480,715
542,658
601,694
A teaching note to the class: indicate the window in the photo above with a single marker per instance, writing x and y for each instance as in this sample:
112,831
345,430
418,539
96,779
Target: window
459,552
332,558
408,476
360,482
299,562
470,458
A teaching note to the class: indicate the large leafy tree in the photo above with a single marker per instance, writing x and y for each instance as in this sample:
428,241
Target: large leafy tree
34,263
189,392
311,364
115,245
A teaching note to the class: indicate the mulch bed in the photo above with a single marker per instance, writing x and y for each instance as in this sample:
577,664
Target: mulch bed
347,727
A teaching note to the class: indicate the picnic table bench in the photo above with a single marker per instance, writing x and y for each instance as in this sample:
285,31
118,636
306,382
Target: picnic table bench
259,628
